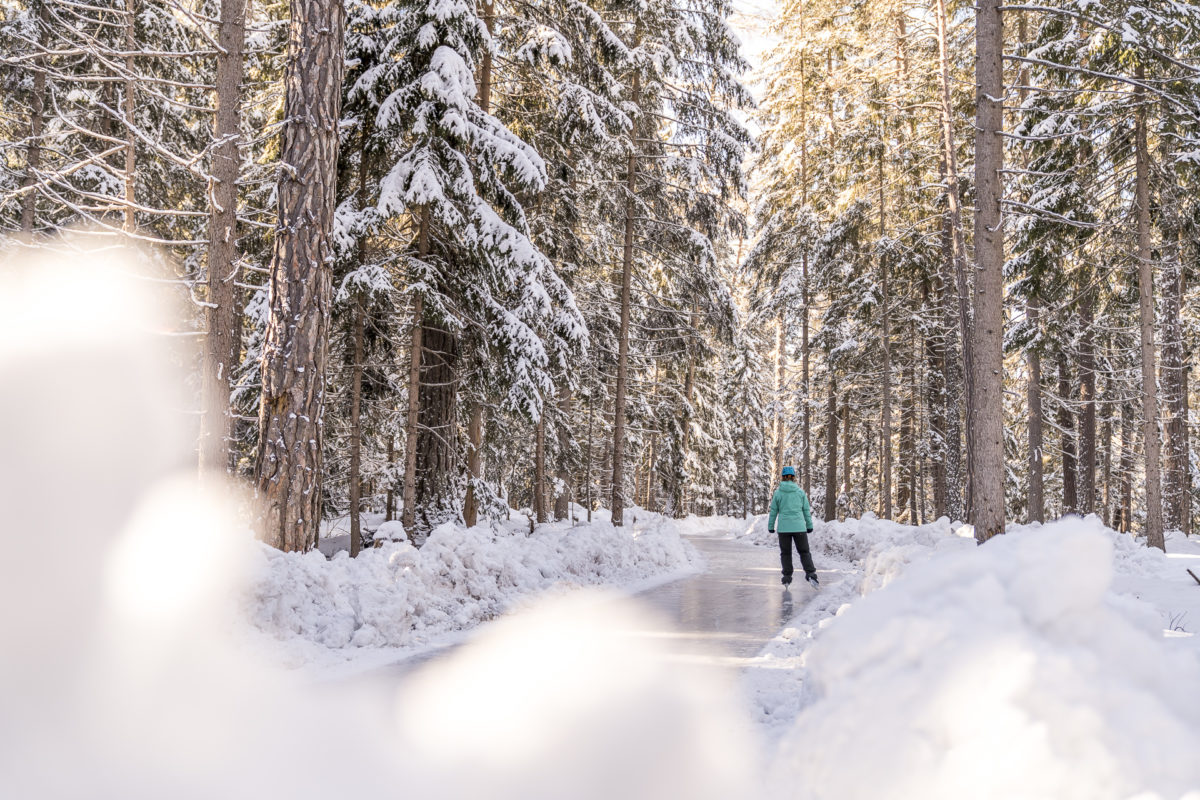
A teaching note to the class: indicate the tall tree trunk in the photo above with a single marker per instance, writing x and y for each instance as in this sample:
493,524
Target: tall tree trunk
1126,468
408,513
959,374
906,492
846,488
780,367
563,498
539,470
389,509
1033,393
831,454
745,475
474,463
130,123
588,457
805,396
885,463
1106,436
1066,425
1087,397
37,123
910,465
437,429
935,395
806,409
1173,377
1150,440
223,313
474,406
1033,389
293,363
618,467
356,433
678,491
987,348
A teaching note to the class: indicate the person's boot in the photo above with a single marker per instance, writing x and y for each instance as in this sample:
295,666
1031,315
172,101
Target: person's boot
787,579
812,579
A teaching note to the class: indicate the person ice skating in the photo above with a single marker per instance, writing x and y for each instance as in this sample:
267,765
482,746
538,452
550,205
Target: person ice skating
791,510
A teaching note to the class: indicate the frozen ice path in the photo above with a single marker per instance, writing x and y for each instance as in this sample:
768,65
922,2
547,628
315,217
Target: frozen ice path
722,616
729,612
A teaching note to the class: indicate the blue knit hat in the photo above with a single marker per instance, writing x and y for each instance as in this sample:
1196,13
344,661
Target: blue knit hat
789,471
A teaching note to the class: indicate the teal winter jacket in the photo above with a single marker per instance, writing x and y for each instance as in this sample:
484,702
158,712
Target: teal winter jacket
790,507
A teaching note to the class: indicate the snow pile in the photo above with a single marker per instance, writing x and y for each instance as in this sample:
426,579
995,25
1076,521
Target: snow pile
1008,670
398,595
121,677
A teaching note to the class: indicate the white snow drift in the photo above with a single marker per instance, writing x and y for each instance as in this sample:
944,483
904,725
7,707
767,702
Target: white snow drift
398,595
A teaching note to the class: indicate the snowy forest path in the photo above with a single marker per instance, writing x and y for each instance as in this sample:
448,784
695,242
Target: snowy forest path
722,616
727,613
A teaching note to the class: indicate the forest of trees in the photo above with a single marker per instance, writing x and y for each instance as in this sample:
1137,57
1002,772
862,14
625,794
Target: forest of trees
456,257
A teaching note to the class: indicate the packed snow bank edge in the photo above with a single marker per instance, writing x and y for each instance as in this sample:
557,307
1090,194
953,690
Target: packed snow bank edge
999,671
401,596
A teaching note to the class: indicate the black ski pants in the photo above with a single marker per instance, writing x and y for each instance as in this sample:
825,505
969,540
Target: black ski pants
785,552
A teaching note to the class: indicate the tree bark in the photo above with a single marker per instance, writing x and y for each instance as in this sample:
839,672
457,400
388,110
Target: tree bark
906,491
223,342
408,512
1033,389
1154,522
563,498
846,488
356,433
959,374
678,491
780,367
745,476
806,410
474,463
1106,455
475,408
1066,424
37,124
987,410
885,462
1126,468
588,457
1033,393
831,454
1087,397
618,465
294,354
539,470
436,497
389,509
935,394
130,123
1173,378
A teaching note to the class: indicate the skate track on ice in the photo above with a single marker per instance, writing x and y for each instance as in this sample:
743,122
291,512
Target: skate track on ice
721,617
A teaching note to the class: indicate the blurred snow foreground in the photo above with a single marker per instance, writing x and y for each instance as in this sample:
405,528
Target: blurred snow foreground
1009,670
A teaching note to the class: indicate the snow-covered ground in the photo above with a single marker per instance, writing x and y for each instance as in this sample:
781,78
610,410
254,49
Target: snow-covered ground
1056,661
395,599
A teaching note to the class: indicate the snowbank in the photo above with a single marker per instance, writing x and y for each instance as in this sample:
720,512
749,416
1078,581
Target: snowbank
398,595
1009,670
